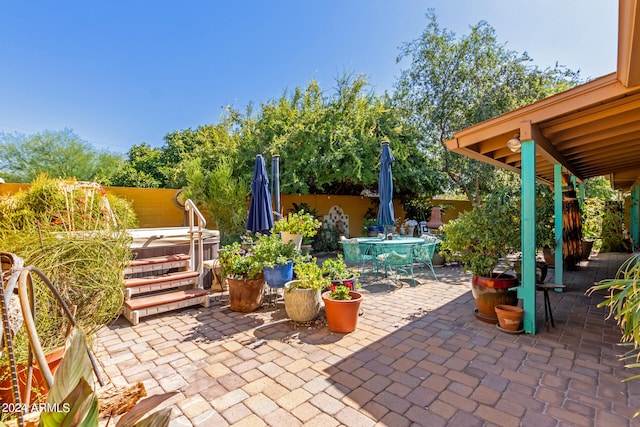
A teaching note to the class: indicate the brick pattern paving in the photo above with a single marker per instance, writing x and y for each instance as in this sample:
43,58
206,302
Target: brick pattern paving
418,357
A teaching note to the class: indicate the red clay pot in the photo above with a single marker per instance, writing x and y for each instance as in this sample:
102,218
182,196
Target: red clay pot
342,315
492,291
245,295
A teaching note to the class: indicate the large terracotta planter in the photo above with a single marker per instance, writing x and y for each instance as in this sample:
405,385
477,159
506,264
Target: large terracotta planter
301,305
39,388
492,291
342,315
245,295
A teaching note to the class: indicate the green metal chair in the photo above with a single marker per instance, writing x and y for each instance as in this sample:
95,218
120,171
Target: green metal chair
399,259
360,254
423,254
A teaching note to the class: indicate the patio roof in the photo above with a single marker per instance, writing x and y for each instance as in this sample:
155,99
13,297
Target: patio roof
592,129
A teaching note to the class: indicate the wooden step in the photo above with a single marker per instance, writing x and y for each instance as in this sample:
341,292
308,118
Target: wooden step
136,308
165,262
141,285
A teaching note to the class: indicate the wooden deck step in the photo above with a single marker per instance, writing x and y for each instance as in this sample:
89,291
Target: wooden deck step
136,308
141,285
166,262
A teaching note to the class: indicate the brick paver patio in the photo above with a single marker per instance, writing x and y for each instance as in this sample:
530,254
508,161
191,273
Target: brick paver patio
418,357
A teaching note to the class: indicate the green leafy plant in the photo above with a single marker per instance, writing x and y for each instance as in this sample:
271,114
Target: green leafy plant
300,222
481,237
340,293
623,302
309,276
270,251
239,263
336,269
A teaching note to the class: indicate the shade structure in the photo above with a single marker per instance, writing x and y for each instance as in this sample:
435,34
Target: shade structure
260,212
385,187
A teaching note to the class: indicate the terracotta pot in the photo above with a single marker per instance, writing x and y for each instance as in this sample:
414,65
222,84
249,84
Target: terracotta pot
509,317
587,245
549,256
301,305
342,315
245,295
492,291
39,388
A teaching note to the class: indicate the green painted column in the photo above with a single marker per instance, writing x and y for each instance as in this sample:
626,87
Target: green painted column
557,204
634,213
527,289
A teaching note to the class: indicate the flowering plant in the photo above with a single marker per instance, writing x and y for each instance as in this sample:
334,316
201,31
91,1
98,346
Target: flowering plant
238,263
301,222
340,292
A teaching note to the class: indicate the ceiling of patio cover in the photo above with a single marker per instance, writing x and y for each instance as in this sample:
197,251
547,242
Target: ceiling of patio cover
260,216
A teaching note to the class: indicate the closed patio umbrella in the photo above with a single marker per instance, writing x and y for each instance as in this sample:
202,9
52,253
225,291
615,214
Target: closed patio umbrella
385,187
260,216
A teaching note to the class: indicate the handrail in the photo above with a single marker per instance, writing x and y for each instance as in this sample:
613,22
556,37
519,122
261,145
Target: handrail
193,214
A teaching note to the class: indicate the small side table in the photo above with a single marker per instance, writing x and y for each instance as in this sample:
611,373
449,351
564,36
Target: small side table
548,313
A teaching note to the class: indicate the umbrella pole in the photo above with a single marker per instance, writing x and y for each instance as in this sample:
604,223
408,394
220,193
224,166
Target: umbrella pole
275,180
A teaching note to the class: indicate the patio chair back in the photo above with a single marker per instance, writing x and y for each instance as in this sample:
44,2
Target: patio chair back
423,254
398,258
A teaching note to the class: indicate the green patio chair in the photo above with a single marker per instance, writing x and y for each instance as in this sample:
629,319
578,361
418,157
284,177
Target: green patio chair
361,254
423,254
399,259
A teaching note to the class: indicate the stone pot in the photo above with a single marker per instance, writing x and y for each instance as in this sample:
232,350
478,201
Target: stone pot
301,305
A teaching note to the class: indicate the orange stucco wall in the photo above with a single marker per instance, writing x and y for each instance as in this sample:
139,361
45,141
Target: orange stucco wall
155,207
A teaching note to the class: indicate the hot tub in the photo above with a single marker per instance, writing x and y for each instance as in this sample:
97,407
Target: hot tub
152,242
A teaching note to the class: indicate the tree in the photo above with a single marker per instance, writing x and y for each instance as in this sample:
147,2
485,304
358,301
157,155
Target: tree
453,83
56,153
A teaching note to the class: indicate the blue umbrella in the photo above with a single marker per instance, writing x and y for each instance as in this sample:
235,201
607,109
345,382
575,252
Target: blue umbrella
385,187
260,212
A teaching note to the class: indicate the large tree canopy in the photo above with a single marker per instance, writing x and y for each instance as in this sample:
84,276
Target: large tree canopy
57,153
453,83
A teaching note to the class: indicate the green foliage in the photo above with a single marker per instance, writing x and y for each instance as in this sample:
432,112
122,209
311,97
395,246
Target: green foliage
336,269
455,82
239,263
59,154
418,209
302,223
592,216
612,228
481,237
309,276
221,195
270,250
74,244
599,187
340,293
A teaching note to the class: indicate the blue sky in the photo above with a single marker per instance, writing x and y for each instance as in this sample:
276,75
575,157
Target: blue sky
121,73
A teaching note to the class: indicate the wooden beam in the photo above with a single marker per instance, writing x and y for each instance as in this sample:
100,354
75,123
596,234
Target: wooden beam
546,149
628,43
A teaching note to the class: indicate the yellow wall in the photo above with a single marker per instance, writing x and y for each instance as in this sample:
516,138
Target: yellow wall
155,207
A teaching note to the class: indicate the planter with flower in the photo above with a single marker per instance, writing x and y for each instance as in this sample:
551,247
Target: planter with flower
243,271
480,239
296,226
276,258
337,271
342,308
302,296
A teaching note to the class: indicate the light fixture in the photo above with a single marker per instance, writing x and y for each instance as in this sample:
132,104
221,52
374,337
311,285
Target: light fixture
514,143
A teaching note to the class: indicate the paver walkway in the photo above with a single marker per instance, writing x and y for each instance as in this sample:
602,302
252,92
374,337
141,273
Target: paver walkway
418,357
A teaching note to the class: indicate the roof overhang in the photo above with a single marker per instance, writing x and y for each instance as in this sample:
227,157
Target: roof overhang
592,129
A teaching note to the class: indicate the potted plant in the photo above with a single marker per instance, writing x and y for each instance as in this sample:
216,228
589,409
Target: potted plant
302,296
243,271
342,308
338,273
276,258
480,238
295,226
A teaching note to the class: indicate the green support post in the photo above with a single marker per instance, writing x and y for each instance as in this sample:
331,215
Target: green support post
634,214
557,203
527,289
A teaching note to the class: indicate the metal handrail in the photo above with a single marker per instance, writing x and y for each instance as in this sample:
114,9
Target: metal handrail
193,214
